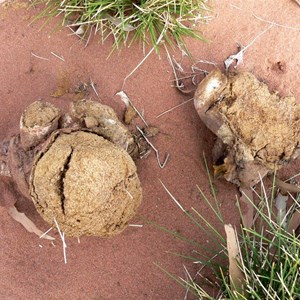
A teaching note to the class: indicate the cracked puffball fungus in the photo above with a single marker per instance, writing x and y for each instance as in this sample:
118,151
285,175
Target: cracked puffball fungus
86,182
258,131
75,166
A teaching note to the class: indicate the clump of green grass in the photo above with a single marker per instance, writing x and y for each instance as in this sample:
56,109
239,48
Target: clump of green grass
268,259
149,21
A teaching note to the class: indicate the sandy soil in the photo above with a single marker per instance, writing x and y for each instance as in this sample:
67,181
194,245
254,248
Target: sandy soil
123,267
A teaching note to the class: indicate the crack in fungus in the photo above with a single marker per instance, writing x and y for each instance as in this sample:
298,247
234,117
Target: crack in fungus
62,177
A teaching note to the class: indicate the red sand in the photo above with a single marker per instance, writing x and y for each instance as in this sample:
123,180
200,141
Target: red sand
123,267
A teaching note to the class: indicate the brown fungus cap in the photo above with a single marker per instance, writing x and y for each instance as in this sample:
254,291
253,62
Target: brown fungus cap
86,182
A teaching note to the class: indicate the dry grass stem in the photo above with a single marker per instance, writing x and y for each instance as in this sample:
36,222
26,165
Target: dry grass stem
172,197
161,165
177,68
89,38
93,87
234,6
146,56
174,107
46,232
171,62
64,248
57,56
195,71
275,24
40,57
62,236
292,177
133,71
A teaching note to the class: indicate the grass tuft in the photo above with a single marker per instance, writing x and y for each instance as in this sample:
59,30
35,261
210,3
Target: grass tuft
151,22
269,254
